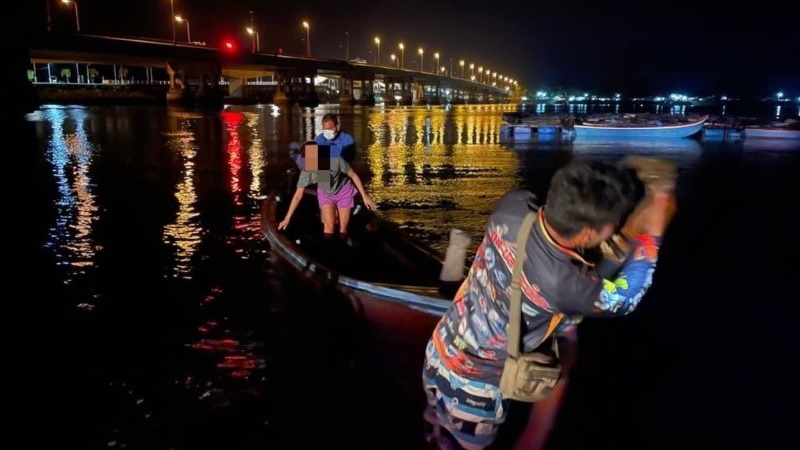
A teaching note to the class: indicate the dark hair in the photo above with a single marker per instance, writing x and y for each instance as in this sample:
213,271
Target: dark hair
588,194
330,117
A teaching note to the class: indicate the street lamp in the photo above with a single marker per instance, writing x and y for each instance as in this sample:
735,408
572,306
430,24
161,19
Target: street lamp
472,71
395,61
421,59
435,55
378,55
347,48
254,37
308,38
402,55
461,63
188,33
77,19
171,14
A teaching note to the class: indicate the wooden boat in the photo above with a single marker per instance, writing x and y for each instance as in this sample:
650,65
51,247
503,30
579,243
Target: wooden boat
639,126
782,130
389,279
391,282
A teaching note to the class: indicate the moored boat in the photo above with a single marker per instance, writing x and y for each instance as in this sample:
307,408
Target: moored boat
639,126
521,126
789,129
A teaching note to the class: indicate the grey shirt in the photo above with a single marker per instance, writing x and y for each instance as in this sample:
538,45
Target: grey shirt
331,181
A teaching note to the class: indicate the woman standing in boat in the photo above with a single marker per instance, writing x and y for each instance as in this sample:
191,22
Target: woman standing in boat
337,185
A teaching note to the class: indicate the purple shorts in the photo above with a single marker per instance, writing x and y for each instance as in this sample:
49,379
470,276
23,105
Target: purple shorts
343,199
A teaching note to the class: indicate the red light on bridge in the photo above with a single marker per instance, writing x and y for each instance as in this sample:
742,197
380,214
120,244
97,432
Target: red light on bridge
229,46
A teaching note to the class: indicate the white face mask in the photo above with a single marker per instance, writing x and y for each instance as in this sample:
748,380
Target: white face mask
329,134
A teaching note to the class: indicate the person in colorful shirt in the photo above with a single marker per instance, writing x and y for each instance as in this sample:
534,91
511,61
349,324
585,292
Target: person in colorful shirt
465,355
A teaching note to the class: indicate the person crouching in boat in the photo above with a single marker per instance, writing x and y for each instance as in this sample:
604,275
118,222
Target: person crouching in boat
337,185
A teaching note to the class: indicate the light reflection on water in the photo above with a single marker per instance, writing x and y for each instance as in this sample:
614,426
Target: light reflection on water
71,155
164,203
436,169
184,233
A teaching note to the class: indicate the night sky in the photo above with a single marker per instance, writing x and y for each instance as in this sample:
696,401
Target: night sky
639,47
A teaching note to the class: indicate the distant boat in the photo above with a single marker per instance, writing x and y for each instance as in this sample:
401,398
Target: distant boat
790,129
525,126
639,126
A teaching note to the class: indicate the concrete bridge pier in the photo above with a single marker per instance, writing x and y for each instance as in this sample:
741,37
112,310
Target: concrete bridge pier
281,96
299,87
367,97
418,93
195,82
436,99
403,93
177,85
346,97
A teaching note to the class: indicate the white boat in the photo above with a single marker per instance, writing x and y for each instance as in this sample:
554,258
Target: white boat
639,126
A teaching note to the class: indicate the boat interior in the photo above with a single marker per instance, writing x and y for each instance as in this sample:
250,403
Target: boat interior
375,250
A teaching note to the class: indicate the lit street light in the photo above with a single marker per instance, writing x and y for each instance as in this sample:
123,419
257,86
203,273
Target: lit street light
435,55
461,63
252,27
395,61
171,14
77,19
254,37
308,38
421,59
378,55
402,55
188,32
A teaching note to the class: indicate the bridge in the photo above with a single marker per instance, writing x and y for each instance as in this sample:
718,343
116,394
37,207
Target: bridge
197,71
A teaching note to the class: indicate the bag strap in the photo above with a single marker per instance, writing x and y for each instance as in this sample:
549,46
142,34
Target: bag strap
515,306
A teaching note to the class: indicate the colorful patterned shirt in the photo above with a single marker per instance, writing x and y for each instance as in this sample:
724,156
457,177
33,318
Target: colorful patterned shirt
471,337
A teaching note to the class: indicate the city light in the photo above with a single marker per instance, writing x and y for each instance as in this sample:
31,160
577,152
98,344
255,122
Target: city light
188,33
307,26
77,18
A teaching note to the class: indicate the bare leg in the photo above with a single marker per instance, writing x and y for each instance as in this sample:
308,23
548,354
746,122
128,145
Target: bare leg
328,213
344,219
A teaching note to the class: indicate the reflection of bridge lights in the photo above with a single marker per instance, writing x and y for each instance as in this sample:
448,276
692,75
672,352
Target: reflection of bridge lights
70,154
184,233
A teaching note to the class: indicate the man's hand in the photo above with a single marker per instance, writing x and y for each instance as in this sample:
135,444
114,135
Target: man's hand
652,215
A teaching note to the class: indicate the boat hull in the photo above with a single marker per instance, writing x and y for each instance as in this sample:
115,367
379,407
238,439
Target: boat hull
627,131
776,133
397,319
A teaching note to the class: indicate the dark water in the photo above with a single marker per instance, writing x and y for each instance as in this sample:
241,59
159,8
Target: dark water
167,323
